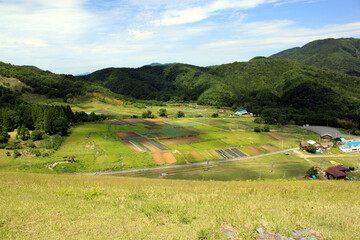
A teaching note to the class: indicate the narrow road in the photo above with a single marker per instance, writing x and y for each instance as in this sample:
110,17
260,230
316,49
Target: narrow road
188,165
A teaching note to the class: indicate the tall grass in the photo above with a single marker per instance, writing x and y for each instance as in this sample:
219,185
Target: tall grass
39,206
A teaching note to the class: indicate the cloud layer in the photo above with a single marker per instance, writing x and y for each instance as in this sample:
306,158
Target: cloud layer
75,36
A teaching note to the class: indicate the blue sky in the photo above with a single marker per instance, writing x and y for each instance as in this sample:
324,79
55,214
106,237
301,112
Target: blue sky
77,36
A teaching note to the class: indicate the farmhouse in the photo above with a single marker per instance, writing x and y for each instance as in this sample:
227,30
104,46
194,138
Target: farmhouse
240,113
337,172
350,147
326,136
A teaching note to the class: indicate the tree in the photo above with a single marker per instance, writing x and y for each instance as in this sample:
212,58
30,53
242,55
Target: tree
180,114
36,135
257,129
4,136
311,149
311,171
266,128
162,112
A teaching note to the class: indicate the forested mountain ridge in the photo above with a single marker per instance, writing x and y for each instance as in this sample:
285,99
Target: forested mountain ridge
281,89
341,55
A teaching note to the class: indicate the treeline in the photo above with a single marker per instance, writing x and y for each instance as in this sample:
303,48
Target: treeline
48,119
43,82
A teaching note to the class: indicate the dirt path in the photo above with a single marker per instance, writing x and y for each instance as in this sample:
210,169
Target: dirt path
303,155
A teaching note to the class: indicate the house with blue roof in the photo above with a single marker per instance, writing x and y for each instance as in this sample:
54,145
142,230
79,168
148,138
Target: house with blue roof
350,147
240,113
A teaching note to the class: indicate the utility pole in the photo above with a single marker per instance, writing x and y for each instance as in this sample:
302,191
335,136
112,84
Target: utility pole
320,165
207,164
122,162
272,167
282,144
30,166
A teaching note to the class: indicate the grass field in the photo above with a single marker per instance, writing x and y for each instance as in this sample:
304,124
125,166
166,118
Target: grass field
42,206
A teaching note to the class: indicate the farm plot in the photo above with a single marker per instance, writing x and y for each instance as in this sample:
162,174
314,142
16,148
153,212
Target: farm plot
153,146
269,147
230,153
158,159
254,150
180,140
277,137
129,135
169,157
167,132
196,155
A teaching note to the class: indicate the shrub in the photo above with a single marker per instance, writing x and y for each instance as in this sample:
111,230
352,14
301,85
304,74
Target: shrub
311,171
162,112
31,144
37,152
180,114
214,115
147,114
311,149
37,135
257,129
258,120
8,154
266,128
16,154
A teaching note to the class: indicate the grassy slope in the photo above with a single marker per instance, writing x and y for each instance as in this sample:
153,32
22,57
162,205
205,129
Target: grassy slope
35,206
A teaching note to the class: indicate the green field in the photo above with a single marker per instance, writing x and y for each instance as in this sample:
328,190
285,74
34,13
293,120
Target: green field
42,206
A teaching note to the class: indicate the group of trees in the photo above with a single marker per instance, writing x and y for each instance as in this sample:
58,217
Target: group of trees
41,118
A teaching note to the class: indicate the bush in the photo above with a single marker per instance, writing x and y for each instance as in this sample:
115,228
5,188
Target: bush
257,129
311,149
37,135
147,114
180,114
16,154
258,120
266,128
162,112
3,145
311,171
214,115
31,144
37,152
8,154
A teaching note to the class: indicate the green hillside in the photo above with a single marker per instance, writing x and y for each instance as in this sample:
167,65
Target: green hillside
291,90
341,55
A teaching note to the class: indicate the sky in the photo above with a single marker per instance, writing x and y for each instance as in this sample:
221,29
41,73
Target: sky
78,36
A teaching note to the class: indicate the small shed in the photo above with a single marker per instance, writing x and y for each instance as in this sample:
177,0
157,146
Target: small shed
240,113
304,144
326,136
337,172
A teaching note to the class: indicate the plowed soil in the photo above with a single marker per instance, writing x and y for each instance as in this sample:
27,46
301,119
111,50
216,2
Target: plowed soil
254,150
127,134
270,147
181,140
169,157
157,158
277,137
196,155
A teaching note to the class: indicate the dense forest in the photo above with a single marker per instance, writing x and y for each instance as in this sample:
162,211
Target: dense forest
341,55
44,119
281,90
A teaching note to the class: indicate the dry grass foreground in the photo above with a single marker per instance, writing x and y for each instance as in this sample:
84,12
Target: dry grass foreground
40,206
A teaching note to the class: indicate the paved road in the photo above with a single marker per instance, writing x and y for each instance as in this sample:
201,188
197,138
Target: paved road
186,165
333,131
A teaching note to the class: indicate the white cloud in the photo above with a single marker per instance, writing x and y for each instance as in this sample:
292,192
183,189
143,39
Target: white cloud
195,14
140,35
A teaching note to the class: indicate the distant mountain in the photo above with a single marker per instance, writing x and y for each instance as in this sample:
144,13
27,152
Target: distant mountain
333,54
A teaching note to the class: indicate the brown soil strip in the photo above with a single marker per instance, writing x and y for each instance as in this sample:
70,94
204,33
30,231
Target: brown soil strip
128,144
269,147
132,120
196,155
169,158
180,140
254,150
127,134
277,137
156,119
150,146
190,131
157,158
